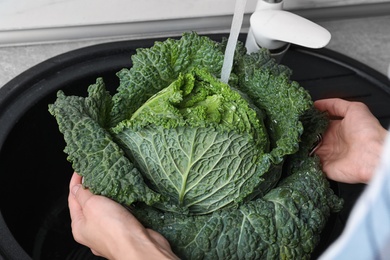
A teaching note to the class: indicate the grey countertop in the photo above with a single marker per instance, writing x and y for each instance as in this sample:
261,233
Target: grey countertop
364,39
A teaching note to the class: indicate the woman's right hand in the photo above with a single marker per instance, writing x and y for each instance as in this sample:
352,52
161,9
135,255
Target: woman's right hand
352,145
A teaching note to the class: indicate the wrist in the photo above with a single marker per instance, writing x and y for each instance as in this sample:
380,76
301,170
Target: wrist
138,244
372,155
123,246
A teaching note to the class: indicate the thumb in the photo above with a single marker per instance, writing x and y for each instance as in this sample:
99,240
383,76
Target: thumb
81,194
75,209
77,192
75,189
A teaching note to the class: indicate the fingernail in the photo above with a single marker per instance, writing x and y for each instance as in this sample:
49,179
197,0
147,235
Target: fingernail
75,188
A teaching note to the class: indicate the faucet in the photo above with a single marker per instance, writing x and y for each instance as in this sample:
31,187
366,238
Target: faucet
275,29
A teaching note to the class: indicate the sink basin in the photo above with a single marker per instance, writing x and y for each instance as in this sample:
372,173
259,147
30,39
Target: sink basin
34,172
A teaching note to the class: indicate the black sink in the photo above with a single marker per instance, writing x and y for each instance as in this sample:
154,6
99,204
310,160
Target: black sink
34,172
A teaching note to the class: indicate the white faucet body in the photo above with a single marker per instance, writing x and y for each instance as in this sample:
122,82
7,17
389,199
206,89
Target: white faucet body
273,28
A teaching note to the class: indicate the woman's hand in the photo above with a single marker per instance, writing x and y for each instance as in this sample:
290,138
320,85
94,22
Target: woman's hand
352,145
109,229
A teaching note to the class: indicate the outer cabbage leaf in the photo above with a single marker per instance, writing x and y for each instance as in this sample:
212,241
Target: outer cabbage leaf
283,100
90,148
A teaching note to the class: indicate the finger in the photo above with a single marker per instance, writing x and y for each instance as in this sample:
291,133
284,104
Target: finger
76,189
74,184
76,179
334,106
75,210
81,194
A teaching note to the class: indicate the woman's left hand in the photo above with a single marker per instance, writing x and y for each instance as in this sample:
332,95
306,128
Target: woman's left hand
109,229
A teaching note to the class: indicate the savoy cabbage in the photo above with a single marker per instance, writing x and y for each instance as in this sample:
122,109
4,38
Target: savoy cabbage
221,170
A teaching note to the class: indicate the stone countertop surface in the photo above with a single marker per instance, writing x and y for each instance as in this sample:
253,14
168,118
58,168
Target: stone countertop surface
364,39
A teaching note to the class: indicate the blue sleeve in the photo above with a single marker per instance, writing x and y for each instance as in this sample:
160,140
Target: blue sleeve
367,233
